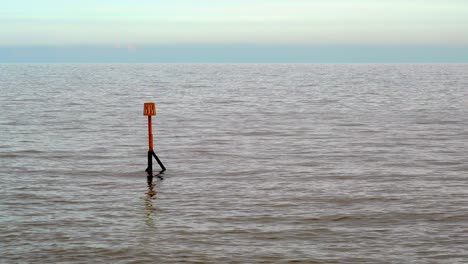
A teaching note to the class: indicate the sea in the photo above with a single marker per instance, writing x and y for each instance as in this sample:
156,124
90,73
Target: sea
266,163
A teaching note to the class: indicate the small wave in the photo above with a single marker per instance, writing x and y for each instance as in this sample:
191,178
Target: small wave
450,218
343,218
351,124
33,151
6,156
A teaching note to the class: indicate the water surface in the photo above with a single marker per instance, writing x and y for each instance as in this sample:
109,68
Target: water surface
266,163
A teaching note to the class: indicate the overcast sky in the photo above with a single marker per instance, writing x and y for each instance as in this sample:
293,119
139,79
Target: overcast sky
121,22
431,30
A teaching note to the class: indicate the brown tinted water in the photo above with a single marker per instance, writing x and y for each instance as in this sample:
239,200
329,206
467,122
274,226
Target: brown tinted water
266,163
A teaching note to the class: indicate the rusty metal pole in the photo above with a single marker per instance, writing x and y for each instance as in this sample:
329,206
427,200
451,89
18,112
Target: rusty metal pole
150,147
150,110
150,134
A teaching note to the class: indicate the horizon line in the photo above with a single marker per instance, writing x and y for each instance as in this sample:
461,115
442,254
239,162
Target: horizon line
234,53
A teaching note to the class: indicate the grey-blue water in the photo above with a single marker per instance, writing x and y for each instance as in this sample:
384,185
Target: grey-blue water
266,164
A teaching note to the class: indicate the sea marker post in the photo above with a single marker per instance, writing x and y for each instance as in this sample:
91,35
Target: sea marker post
150,110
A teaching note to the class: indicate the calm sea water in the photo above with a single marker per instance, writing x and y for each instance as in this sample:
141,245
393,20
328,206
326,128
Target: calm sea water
266,163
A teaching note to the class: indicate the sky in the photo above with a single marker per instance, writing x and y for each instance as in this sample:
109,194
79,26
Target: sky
375,29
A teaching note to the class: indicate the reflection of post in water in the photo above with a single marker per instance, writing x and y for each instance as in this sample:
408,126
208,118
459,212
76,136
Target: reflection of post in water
149,178
151,192
151,195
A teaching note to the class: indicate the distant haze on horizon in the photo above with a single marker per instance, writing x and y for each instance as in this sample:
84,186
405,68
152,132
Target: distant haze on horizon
126,26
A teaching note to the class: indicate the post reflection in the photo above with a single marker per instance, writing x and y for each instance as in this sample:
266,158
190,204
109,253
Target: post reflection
151,196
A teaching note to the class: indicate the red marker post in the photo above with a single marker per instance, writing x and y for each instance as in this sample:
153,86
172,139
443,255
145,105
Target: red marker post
150,110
